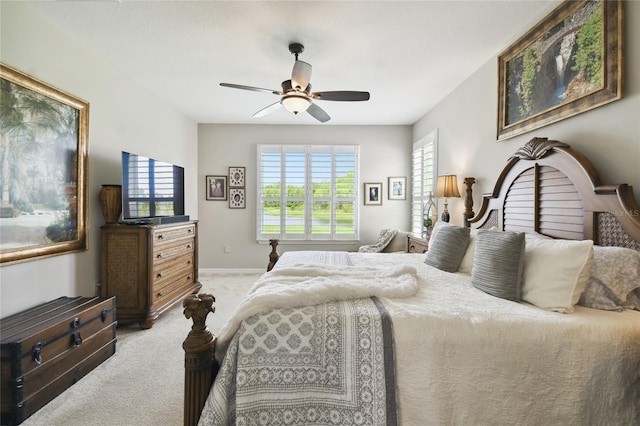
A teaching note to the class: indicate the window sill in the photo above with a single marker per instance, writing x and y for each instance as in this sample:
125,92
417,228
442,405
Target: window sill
312,242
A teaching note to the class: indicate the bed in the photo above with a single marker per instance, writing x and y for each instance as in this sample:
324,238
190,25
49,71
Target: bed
537,324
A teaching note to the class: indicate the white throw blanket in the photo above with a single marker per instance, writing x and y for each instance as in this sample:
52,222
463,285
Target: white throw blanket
304,285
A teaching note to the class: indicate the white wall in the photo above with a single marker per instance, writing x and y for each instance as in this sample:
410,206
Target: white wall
123,116
384,151
609,135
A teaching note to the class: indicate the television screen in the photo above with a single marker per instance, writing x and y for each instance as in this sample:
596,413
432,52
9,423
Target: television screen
151,188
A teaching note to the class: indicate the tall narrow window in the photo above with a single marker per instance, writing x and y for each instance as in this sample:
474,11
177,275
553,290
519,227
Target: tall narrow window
307,192
423,174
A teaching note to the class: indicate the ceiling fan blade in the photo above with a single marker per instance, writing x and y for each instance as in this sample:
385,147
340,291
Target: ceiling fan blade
341,95
318,113
255,89
301,75
268,110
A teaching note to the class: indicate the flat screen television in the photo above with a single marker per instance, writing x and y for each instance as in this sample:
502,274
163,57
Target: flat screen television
151,189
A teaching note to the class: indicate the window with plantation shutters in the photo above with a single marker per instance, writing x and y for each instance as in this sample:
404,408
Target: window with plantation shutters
307,192
423,178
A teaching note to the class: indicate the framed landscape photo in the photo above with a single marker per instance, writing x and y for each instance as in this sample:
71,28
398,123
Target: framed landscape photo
44,152
569,63
397,187
216,187
237,198
372,194
236,177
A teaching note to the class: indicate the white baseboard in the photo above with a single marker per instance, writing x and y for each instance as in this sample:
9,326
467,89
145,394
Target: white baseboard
231,270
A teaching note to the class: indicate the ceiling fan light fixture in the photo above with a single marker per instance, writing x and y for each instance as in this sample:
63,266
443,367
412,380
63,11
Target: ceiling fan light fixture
295,103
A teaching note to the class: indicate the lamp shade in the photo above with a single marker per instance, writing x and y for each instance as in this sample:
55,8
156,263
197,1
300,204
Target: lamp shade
447,187
295,103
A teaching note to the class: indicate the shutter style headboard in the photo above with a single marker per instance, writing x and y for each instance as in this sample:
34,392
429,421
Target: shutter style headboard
549,188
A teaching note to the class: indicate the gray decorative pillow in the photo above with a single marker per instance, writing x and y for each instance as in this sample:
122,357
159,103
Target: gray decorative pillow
447,248
614,282
385,237
498,263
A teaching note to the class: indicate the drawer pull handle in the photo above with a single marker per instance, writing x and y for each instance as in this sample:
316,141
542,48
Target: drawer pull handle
159,275
76,339
159,256
189,262
190,230
36,352
188,246
188,277
103,314
160,236
75,323
159,295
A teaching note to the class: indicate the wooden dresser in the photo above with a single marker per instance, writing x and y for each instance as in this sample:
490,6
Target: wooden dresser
148,268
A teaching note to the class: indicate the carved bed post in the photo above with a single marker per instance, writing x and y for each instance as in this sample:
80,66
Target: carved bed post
273,256
468,200
199,364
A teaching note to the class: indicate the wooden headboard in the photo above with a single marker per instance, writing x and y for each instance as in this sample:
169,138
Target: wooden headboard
549,188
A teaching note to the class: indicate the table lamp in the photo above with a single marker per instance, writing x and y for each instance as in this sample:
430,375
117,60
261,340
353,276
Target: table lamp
447,187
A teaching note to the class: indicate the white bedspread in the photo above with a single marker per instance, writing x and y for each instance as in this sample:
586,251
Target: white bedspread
300,285
466,358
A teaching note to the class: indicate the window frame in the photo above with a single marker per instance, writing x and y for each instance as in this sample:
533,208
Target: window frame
308,199
421,184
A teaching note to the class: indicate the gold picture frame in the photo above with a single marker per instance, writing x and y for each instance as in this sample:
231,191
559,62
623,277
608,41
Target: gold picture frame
569,63
44,154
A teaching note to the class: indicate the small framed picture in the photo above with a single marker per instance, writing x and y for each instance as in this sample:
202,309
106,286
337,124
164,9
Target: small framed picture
372,194
236,198
216,188
236,177
397,188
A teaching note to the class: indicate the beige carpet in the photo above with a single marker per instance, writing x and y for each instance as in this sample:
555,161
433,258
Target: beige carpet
143,383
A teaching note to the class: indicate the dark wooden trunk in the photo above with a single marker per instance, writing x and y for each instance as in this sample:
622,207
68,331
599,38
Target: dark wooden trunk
48,348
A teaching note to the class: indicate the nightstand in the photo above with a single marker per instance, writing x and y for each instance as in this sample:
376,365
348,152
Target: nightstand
416,244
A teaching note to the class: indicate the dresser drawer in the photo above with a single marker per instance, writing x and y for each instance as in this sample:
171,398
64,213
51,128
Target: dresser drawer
168,271
171,249
161,235
170,288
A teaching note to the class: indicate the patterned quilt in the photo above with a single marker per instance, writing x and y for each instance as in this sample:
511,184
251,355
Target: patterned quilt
326,364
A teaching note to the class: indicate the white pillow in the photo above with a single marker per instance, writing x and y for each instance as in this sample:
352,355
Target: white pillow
556,272
466,265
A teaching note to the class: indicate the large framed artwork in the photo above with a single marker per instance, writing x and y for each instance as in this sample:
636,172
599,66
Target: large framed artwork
569,63
43,169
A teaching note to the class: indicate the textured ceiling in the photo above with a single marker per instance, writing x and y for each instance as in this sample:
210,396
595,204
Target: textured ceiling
408,55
